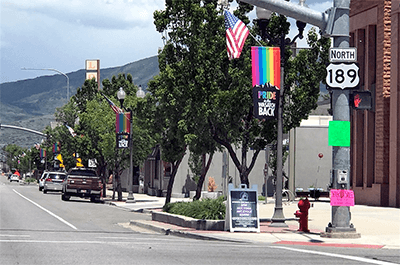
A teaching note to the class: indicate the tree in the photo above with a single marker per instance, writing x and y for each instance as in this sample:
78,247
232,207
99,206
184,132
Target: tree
182,85
198,84
142,139
93,121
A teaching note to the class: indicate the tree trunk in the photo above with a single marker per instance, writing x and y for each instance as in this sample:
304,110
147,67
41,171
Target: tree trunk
119,187
203,176
175,167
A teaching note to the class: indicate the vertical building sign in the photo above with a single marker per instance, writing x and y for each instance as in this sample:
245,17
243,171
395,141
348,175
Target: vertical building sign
93,70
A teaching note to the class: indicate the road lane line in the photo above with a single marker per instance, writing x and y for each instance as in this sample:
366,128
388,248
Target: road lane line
15,235
47,211
337,256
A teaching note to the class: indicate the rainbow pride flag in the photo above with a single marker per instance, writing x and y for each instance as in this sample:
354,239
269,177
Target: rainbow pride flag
266,66
123,124
42,153
56,147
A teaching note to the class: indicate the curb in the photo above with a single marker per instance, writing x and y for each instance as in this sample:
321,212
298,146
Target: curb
183,221
185,234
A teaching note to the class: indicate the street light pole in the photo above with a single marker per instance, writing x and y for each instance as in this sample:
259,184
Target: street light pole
54,70
121,96
335,23
278,219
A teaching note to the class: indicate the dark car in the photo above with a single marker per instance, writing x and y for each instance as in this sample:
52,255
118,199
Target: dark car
82,182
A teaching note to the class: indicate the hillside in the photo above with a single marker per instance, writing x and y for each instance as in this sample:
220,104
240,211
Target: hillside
31,103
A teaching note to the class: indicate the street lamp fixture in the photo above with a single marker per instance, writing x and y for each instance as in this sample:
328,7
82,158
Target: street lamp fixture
121,97
140,93
263,15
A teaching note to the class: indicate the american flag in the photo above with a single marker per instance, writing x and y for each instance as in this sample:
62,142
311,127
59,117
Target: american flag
113,106
236,34
72,132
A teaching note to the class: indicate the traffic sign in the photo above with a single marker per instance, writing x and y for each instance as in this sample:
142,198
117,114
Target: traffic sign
342,75
337,55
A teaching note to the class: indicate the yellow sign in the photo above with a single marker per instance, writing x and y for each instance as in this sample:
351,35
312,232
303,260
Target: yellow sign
59,158
79,162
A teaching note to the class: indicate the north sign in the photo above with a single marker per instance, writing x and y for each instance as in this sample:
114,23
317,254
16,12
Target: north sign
339,55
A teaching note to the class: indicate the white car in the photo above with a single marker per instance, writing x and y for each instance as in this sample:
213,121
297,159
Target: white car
54,181
14,177
42,179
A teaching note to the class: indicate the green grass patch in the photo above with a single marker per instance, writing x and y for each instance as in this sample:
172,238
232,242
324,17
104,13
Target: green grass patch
207,209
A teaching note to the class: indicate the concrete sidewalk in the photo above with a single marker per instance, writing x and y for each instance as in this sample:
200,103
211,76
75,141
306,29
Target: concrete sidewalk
379,226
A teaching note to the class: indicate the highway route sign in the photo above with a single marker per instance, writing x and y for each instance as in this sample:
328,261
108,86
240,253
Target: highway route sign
342,75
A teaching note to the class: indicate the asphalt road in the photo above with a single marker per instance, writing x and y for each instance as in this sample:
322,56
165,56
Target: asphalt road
37,228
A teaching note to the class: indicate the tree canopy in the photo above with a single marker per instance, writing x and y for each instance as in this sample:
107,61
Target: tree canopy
203,96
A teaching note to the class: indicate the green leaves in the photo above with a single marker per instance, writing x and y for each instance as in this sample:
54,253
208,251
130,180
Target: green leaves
206,209
201,95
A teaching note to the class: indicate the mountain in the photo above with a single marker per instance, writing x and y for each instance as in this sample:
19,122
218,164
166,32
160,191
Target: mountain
31,103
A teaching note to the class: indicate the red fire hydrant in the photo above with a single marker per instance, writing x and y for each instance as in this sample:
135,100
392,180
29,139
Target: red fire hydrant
303,205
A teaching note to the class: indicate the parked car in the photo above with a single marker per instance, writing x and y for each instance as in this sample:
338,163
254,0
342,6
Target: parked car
14,177
54,181
82,182
41,180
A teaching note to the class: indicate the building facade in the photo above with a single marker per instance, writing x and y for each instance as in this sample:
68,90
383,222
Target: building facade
375,157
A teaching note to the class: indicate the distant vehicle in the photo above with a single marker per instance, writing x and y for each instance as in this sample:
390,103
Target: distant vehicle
54,181
14,177
41,180
82,182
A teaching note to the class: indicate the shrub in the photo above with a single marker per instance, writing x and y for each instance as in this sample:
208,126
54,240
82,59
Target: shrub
28,180
207,209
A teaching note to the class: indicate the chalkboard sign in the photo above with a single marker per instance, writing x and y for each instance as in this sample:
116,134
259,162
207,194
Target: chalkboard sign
242,212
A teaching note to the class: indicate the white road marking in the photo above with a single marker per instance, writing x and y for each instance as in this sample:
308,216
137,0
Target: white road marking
337,256
47,211
16,235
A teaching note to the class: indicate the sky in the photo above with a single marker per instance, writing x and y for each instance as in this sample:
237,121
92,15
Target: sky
61,35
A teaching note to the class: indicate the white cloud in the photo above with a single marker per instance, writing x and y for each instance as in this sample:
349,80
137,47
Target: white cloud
115,14
63,34
321,6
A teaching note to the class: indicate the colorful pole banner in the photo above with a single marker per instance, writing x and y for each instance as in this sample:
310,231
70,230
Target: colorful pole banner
123,140
56,147
265,102
123,123
266,66
42,153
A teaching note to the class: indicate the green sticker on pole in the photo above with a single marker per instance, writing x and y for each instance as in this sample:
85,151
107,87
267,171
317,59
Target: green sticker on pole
339,133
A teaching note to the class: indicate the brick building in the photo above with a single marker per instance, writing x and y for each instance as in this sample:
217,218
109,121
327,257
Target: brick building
375,152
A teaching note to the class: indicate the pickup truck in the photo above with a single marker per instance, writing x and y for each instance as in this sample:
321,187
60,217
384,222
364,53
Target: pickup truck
82,182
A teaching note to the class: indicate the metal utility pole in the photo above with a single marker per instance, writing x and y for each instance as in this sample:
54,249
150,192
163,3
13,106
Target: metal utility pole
340,226
334,23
